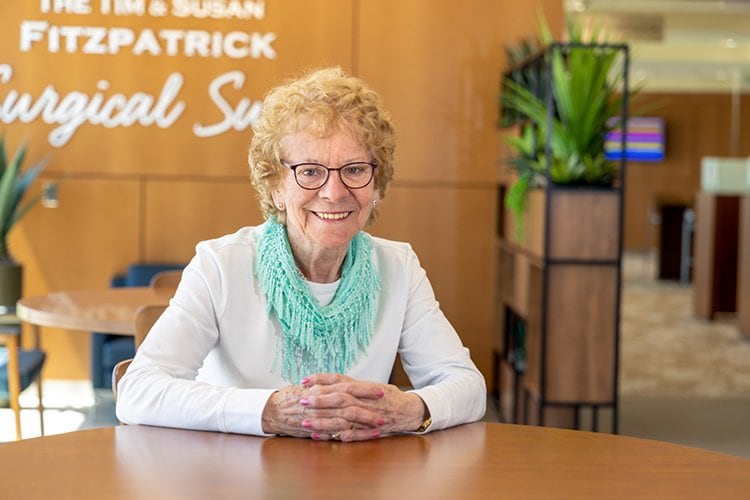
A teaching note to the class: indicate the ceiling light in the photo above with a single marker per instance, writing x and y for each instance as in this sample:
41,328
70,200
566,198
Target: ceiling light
576,6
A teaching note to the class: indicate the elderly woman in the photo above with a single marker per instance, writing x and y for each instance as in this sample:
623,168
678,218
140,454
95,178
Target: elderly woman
292,327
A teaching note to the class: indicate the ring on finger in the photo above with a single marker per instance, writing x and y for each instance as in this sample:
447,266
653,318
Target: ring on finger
335,436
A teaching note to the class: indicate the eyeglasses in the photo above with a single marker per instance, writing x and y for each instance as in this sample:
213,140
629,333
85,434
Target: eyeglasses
355,175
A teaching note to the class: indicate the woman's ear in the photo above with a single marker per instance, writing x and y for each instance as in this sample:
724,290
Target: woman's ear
277,200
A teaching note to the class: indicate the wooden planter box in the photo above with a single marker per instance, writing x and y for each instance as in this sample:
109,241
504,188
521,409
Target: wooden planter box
571,344
530,238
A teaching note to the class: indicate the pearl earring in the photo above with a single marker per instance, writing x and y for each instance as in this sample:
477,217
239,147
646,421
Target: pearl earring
374,203
280,206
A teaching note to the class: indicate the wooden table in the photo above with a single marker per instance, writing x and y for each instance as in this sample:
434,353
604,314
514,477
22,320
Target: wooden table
110,310
479,460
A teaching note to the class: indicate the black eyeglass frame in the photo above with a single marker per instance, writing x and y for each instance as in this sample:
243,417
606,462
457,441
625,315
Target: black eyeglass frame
373,165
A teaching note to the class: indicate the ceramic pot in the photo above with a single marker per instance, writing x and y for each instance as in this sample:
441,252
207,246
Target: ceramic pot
11,284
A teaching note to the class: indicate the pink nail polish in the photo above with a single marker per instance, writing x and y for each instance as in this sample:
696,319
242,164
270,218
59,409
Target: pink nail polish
380,393
306,423
375,435
304,401
305,380
315,436
380,421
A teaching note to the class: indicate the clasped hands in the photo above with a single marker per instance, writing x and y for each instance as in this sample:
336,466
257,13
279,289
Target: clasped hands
329,406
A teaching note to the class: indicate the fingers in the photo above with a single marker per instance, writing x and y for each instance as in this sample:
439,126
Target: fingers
357,435
339,408
337,400
347,436
328,383
325,379
295,411
341,419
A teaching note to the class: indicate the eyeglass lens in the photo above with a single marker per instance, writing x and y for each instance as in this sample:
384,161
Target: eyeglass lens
353,175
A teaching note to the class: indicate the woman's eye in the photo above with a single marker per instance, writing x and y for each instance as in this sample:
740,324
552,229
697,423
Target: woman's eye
311,172
354,170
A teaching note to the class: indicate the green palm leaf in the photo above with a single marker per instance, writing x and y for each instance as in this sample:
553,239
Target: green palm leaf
14,184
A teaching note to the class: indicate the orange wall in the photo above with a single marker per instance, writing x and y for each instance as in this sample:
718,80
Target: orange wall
148,194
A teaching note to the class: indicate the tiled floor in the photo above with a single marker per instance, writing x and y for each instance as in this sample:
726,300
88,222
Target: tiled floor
69,405
715,421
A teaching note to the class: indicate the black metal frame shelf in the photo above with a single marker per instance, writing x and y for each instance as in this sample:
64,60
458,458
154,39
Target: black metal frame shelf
549,261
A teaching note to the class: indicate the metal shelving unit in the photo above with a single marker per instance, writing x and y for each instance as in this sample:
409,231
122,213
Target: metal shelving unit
564,295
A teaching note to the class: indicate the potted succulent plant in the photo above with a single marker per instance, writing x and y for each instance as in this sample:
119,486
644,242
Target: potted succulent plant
14,184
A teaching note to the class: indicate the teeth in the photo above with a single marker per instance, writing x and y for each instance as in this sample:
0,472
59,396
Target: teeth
332,216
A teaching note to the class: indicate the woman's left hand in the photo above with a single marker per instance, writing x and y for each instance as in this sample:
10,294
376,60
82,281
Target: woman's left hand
335,408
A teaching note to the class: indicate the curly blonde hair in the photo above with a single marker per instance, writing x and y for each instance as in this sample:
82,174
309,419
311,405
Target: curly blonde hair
319,102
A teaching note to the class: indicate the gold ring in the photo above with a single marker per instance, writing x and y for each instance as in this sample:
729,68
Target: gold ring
335,435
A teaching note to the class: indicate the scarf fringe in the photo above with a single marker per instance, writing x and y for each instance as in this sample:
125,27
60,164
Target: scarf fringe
317,339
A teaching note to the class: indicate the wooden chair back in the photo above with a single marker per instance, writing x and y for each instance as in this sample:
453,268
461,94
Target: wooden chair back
144,320
118,372
166,280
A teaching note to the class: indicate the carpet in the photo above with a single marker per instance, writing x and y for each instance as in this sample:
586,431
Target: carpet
665,351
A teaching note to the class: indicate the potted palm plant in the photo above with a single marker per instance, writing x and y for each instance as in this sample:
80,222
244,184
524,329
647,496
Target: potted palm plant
585,105
14,184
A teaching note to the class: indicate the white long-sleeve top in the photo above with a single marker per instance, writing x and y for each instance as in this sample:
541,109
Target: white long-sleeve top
213,358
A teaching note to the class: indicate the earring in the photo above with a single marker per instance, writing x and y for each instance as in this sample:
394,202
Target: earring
280,206
374,203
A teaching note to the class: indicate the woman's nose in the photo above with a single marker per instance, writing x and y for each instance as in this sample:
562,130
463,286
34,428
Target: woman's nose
334,189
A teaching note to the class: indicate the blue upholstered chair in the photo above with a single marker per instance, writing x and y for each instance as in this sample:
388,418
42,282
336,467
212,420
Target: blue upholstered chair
108,349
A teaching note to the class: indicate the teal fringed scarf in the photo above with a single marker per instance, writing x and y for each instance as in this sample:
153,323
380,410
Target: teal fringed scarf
317,339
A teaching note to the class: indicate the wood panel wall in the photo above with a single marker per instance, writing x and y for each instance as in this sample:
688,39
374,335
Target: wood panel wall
697,125
435,62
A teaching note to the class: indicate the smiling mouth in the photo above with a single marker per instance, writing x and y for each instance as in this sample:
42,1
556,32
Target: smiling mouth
332,215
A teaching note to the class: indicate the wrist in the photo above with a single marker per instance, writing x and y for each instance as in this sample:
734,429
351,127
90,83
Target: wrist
267,418
423,418
426,423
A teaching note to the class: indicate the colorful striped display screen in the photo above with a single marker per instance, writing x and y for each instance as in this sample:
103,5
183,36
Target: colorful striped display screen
644,140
